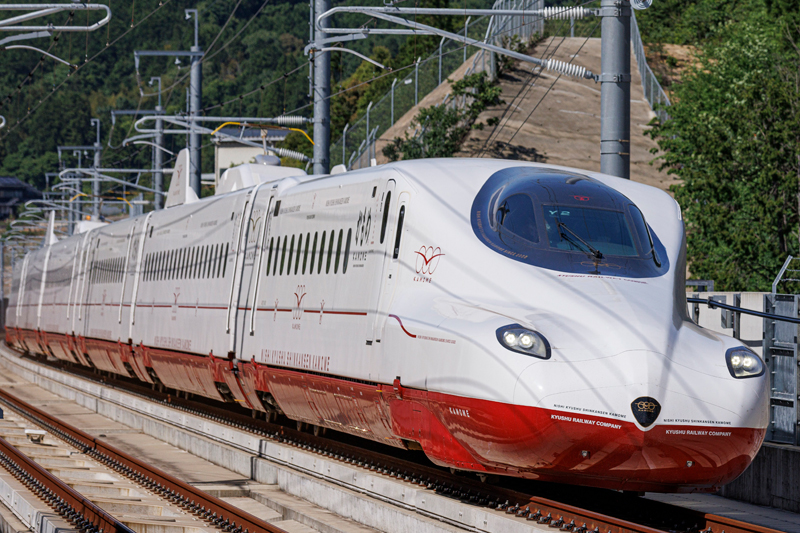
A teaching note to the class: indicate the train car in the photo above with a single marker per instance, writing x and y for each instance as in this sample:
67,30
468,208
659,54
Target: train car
504,317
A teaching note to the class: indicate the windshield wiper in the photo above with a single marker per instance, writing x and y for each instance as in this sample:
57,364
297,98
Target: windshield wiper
591,250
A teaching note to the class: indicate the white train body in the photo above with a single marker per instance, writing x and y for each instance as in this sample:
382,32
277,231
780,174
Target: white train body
376,302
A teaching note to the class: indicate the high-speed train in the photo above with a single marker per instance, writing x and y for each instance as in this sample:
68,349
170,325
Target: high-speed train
506,318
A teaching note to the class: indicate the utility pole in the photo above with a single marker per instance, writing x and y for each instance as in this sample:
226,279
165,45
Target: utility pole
195,103
158,152
322,93
157,176
615,88
96,180
195,95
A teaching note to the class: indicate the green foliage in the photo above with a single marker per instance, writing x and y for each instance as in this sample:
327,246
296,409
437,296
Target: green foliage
690,21
444,128
734,140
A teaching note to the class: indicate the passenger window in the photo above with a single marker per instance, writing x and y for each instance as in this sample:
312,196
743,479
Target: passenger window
184,262
399,231
225,260
305,253
297,257
291,250
215,263
283,254
206,261
385,214
196,262
277,254
313,254
338,253
347,251
330,253
269,257
321,252
219,261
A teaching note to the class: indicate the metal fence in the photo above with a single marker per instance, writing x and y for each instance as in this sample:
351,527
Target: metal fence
356,147
653,92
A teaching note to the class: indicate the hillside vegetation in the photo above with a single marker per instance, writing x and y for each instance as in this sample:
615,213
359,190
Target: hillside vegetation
252,46
734,134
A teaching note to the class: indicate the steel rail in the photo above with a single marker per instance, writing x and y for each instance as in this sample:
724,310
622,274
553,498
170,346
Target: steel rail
545,511
66,501
217,512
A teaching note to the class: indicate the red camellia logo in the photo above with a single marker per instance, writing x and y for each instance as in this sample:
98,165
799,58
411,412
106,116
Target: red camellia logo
428,259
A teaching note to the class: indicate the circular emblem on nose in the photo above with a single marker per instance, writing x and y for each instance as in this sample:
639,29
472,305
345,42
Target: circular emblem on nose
645,410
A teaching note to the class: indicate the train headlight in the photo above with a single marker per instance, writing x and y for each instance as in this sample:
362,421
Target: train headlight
743,363
522,340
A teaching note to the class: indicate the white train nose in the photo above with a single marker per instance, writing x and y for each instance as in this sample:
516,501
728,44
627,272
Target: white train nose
644,419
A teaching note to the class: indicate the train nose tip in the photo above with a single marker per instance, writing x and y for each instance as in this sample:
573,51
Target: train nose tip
646,410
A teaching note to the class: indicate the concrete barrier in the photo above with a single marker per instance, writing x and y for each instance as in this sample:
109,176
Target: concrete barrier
772,479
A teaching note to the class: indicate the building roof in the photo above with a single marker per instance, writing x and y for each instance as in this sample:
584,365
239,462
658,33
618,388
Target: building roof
11,182
250,134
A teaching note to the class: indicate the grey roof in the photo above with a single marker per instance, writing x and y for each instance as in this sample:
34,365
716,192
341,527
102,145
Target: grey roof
10,182
252,134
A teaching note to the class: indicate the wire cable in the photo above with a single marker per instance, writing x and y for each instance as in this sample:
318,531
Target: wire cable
8,130
552,85
526,87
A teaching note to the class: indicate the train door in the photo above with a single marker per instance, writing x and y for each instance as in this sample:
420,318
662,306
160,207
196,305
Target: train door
391,270
381,251
77,284
138,255
43,284
128,271
87,281
254,218
259,245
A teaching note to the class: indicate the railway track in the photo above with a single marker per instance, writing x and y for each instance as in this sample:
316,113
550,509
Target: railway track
571,509
68,451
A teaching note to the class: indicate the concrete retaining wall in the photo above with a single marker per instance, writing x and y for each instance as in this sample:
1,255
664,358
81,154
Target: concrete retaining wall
772,480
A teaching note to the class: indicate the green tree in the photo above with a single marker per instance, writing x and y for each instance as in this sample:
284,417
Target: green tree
444,128
734,140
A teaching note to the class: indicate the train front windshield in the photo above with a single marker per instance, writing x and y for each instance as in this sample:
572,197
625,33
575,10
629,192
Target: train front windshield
575,228
565,222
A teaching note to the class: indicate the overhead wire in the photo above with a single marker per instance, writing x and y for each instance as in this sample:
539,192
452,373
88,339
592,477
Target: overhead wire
552,85
208,56
53,43
10,129
511,108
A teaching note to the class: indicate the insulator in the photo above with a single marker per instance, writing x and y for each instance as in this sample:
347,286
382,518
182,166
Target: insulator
564,13
293,154
566,69
291,121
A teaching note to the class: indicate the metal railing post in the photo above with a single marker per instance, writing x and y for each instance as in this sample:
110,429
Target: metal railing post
369,108
393,84
416,81
344,143
440,62
466,34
